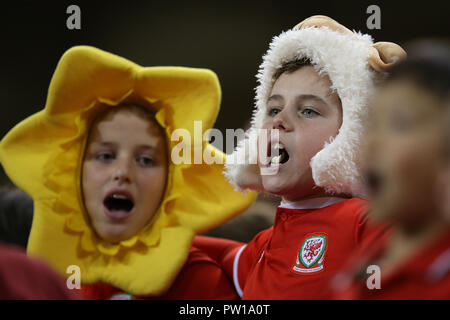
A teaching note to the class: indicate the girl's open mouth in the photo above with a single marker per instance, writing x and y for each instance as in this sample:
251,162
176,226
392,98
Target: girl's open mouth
118,205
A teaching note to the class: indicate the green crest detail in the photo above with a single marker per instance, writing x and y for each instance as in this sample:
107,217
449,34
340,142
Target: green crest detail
312,250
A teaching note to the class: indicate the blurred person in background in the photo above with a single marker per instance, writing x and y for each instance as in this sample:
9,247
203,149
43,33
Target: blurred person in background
25,278
16,216
22,277
408,179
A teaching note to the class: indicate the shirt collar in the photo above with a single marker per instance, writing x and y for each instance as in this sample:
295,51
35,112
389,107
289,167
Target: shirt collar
315,203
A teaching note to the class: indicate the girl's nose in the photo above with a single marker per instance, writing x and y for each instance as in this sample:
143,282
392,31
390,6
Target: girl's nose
122,172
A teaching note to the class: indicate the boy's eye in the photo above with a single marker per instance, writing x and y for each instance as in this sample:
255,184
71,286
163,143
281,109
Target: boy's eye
274,111
145,161
309,113
105,156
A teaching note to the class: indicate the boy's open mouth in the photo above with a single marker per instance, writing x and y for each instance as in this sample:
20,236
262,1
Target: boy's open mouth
118,204
281,158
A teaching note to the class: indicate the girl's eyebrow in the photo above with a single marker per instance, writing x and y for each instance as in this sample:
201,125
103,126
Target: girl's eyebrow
112,144
103,143
147,147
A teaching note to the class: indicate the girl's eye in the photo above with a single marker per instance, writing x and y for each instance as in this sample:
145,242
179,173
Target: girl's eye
105,156
309,113
144,161
273,112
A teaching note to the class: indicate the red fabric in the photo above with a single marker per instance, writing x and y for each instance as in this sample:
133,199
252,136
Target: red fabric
24,278
425,275
220,250
201,278
266,265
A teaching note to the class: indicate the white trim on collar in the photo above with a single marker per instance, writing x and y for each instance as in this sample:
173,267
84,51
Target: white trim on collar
315,203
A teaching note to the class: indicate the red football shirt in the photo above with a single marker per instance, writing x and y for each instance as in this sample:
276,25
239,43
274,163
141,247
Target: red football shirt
424,275
200,278
298,256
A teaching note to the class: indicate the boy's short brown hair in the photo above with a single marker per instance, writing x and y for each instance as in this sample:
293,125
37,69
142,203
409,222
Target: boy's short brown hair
291,66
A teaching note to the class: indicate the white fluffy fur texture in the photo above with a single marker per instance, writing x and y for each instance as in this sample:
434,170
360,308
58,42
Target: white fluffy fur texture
343,57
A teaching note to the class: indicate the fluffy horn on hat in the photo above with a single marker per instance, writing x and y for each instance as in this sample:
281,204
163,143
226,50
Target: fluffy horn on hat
384,55
323,21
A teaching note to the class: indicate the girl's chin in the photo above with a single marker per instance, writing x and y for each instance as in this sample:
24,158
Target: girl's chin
115,239
113,234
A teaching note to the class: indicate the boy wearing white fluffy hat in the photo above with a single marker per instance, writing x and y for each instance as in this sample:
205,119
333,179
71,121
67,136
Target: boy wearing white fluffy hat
314,83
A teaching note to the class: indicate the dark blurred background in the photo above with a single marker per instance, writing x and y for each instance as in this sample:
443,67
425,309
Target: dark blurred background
228,37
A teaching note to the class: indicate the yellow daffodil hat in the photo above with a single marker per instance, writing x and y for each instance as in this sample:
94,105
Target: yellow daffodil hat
43,155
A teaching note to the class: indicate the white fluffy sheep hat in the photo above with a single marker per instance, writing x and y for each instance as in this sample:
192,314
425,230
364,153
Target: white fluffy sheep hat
354,65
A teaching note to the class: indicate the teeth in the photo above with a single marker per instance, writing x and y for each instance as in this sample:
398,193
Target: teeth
119,196
276,160
278,146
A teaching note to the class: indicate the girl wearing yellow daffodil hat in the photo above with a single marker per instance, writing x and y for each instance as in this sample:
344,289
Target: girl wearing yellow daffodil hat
108,200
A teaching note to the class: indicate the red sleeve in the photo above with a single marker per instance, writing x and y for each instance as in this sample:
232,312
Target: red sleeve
369,232
24,278
236,259
201,279
223,251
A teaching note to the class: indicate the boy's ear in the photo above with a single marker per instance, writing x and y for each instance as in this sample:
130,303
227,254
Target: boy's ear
384,55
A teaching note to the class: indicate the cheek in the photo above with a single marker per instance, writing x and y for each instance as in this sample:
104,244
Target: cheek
89,189
401,173
91,175
154,182
87,179
310,142
330,128
411,171
92,181
408,162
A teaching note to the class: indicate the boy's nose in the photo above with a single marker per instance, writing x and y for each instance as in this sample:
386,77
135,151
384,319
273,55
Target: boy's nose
280,122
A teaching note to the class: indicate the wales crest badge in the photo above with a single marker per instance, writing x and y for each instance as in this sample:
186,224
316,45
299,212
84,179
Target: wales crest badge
311,254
